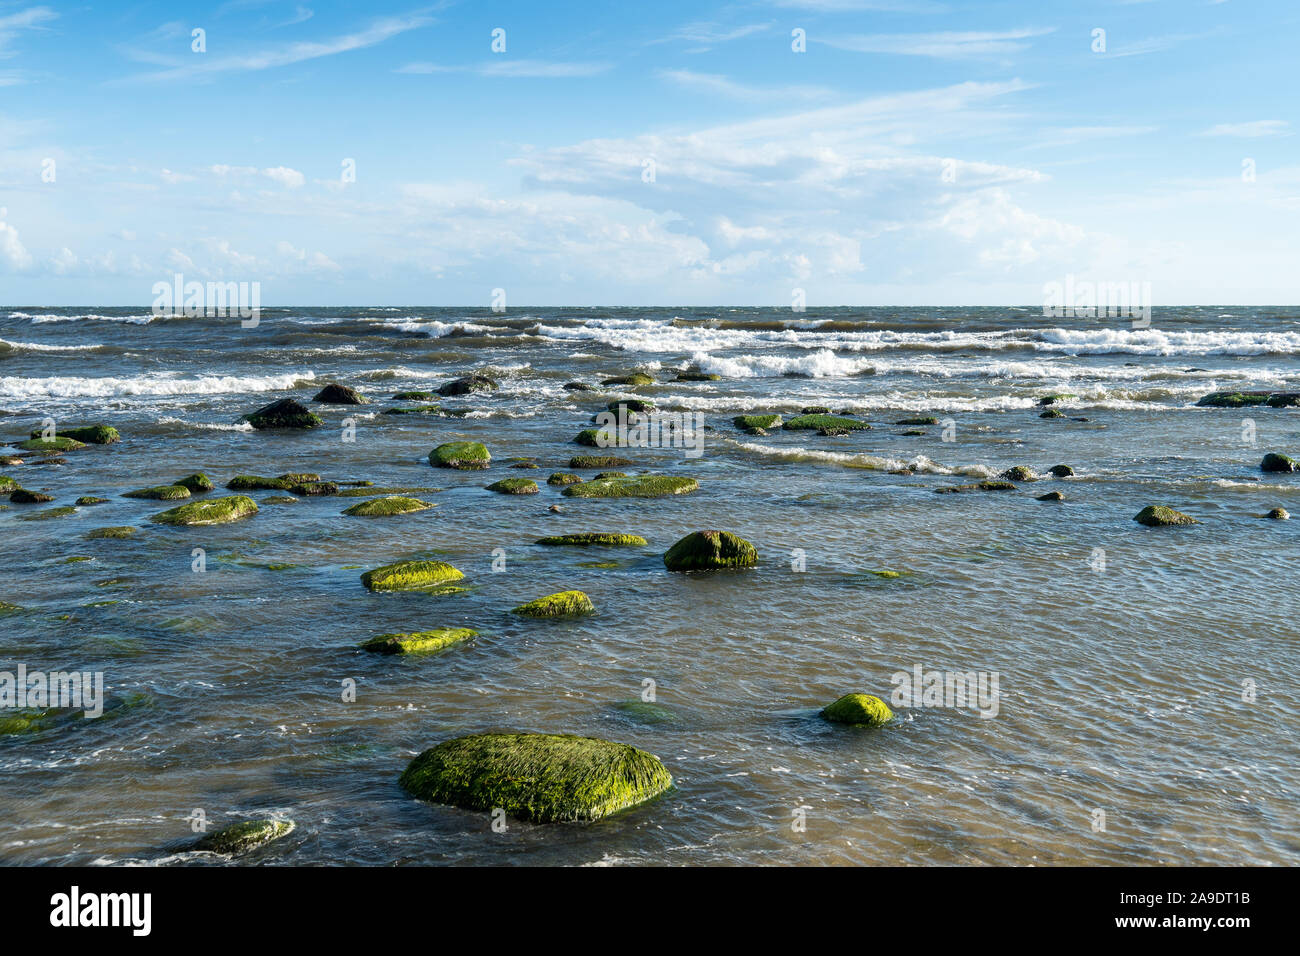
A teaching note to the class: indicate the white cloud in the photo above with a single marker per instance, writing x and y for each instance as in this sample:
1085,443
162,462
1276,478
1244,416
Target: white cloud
11,24
13,254
285,176
535,69
950,45
1250,130
723,86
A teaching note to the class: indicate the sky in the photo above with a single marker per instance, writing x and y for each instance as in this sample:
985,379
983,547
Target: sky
866,152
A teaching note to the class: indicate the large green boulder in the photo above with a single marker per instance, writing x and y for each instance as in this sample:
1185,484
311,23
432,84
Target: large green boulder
411,576
387,507
710,551
642,486
211,511
858,709
1156,516
419,642
563,604
463,455
286,413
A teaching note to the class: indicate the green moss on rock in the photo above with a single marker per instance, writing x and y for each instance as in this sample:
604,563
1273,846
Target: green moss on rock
923,420
60,512
750,423
1155,516
197,482
118,531
315,489
1018,473
387,507
642,486
858,709
635,379
160,493
562,604
463,455
410,576
86,434
597,461
1274,462
419,642
514,486
211,511
242,837
976,486
57,443
595,538
256,483
286,413
9,485
1232,399
563,478
373,492
415,397
476,382
820,421
644,711
87,500
710,551
21,496
335,394
544,778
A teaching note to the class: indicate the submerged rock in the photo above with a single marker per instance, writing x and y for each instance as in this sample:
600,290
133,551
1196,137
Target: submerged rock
387,506
1052,496
644,711
413,410
160,493
1278,514
696,376
977,486
858,709
1052,413
597,461
635,379
599,538
242,837
1249,399
211,511
298,477
818,421
1018,473
58,443
463,455
197,482
1053,399
1158,516
60,512
119,531
335,394
924,420
630,406
563,478
410,576
416,397
710,550
314,489
642,486
86,500
86,434
256,483
756,423
561,604
477,382
419,642
21,496
544,778
285,413
579,387
1279,463
1061,471
514,486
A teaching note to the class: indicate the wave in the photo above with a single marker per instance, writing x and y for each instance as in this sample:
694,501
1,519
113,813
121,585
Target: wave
61,386
8,348
920,464
44,317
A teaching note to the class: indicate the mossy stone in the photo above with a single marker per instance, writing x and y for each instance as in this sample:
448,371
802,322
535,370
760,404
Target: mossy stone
710,551
544,778
61,512
750,423
463,455
57,443
335,394
21,496
858,709
597,461
924,420
514,486
635,379
642,486
120,531
209,512
419,642
1018,473
245,836
160,493
595,538
410,576
1274,462
1155,516
469,384
256,483
387,507
561,604
1061,471
88,500
197,482
86,434
415,397
817,422
285,413
563,478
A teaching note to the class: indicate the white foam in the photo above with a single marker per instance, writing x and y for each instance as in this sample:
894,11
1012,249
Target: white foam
166,383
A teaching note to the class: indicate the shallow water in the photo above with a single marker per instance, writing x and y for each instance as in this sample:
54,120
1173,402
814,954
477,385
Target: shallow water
1121,685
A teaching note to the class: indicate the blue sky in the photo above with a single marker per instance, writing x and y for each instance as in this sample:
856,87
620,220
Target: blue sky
929,152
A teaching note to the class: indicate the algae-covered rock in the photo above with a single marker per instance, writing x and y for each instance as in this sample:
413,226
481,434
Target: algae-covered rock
197,483
977,486
1061,471
544,778
595,538
118,531
413,410
1052,496
562,604
415,397
1052,413
629,406
57,443
1278,514
29,720
285,413
160,493
563,478
335,394
464,455
1053,399
642,486
644,711
419,642
86,434
314,489
635,379
1018,473
279,500
410,576
595,438
298,478
597,461
245,836
1274,462
1159,516
9,485
21,496
858,709
610,474
60,512
387,506
476,382
373,491
578,387
817,422
87,500
211,511
1231,399
514,486
256,483
752,423
696,376
923,420
710,551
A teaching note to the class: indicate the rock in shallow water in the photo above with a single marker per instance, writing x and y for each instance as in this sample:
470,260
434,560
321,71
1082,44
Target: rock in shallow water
1155,516
710,551
285,413
858,709
334,394
419,642
1279,463
212,511
242,837
642,486
387,507
596,538
410,576
462,455
544,778
514,486
562,604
